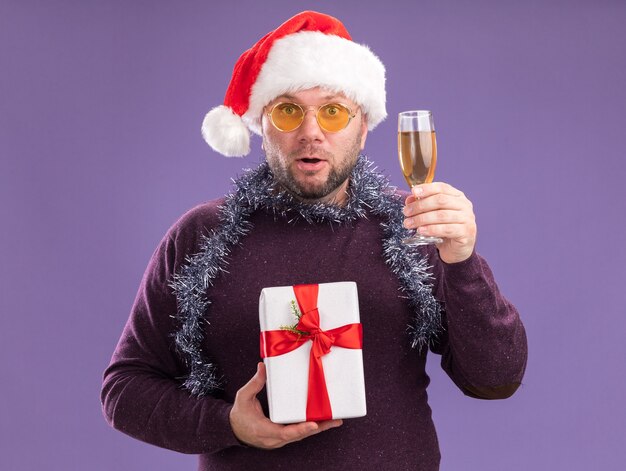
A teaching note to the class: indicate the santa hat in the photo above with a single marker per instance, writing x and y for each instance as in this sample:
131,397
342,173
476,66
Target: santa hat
307,51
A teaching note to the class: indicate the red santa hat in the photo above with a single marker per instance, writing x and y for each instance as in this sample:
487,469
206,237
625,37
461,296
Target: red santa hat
307,51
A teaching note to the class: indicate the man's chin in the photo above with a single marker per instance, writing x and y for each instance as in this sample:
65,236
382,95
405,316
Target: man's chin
319,186
309,189
311,193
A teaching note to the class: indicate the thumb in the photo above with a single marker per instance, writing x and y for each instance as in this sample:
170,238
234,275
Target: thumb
256,383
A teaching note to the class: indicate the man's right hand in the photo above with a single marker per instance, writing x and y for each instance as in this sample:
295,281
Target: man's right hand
251,427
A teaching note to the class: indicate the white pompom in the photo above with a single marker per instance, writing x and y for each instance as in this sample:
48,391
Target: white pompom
226,132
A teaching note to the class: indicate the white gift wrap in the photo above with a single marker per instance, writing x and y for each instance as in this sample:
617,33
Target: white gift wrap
288,374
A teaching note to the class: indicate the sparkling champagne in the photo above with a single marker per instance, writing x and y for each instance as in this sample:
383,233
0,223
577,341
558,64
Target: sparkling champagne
418,156
417,149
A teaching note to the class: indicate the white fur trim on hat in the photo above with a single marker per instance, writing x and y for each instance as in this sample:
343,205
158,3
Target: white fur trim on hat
310,59
226,132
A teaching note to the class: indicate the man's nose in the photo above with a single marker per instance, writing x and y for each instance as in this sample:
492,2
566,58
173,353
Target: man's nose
310,130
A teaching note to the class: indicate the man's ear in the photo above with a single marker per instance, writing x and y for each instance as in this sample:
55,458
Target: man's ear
363,131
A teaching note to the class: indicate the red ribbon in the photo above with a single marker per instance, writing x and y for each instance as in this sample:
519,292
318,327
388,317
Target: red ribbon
279,342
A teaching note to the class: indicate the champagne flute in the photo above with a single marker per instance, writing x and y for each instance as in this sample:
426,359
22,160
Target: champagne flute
417,149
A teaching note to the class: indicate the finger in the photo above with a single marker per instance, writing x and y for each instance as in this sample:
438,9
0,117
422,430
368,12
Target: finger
295,432
328,424
446,231
271,435
408,202
441,216
255,385
427,189
436,202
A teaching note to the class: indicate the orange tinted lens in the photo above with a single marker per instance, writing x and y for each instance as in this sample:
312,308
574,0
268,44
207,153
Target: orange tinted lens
333,117
287,116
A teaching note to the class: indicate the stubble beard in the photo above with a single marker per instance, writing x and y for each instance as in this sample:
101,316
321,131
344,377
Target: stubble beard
339,172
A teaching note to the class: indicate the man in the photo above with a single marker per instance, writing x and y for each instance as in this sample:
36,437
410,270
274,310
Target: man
183,374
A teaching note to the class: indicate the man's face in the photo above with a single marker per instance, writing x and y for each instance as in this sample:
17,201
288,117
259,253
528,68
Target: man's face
311,163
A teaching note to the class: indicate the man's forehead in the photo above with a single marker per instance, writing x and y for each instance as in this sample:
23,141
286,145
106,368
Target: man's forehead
313,94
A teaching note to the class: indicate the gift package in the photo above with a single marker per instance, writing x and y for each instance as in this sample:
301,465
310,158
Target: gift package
311,344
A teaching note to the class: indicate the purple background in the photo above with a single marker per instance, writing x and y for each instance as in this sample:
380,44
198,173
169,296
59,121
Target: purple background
100,109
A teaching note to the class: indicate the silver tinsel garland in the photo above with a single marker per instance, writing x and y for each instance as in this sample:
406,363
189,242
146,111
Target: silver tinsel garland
368,191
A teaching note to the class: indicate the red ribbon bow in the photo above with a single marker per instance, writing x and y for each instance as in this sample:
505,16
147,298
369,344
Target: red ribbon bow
279,342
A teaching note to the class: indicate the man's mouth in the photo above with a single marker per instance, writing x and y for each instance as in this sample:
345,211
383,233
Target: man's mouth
310,163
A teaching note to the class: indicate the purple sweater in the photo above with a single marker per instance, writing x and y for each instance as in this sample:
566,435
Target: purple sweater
483,348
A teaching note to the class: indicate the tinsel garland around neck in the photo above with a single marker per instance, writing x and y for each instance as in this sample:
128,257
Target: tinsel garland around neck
368,191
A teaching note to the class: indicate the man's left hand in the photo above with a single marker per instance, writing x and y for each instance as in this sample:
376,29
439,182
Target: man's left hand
440,210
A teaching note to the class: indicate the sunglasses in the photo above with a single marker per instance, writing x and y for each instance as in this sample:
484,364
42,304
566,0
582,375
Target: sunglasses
331,117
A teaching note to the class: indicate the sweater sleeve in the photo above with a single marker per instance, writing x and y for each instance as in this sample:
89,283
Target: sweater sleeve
483,347
142,392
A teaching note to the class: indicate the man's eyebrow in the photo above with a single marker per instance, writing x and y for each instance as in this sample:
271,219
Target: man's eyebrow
293,98
288,97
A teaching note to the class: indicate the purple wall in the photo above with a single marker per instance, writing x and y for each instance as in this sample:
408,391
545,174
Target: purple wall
100,109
